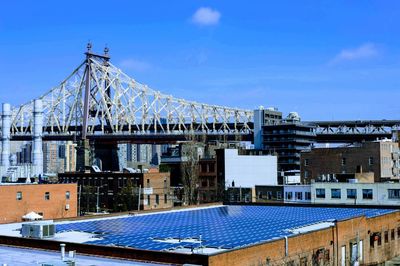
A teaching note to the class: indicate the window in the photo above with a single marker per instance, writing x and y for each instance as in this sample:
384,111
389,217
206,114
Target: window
394,193
157,199
306,162
165,183
367,193
278,195
165,198
19,195
289,195
148,199
47,195
67,195
335,193
343,161
299,195
306,174
386,236
351,193
307,195
320,193
371,160
392,234
269,195
148,182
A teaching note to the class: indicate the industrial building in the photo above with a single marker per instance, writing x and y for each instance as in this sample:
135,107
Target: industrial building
51,201
121,191
381,158
235,235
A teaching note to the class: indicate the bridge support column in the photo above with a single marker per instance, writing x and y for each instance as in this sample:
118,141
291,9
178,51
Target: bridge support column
83,155
37,153
5,137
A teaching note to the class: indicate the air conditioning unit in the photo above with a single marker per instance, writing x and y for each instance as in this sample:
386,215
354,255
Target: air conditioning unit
38,230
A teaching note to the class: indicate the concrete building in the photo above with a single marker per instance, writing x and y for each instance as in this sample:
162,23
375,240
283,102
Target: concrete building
387,194
379,157
246,170
285,138
52,201
51,162
297,193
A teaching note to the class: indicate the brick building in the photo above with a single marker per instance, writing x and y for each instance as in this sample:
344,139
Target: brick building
52,201
379,157
111,189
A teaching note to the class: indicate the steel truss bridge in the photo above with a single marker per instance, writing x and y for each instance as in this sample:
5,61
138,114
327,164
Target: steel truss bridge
98,101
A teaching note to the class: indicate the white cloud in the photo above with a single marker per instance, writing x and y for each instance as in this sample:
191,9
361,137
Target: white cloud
365,51
205,16
134,64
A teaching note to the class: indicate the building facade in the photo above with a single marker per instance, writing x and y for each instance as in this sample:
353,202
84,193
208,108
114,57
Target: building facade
355,193
379,157
52,201
121,191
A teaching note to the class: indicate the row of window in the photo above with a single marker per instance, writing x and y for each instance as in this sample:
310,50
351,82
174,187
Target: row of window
46,195
336,193
368,194
343,161
157,199
298,195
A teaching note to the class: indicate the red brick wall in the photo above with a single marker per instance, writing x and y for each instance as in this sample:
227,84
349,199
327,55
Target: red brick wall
33,199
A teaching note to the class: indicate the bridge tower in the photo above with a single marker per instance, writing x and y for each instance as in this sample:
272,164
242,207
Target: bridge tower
88,151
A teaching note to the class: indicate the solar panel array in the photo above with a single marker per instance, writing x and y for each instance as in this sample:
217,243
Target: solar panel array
220,227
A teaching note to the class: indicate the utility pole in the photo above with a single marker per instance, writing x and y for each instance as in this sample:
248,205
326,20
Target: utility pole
79,200
97,200
138,204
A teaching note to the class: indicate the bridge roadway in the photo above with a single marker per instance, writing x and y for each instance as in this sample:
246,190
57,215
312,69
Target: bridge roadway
326,131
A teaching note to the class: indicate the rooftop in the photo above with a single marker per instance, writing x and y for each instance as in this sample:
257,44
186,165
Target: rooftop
207,230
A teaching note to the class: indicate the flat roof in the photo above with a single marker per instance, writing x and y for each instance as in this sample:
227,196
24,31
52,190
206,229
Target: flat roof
211,229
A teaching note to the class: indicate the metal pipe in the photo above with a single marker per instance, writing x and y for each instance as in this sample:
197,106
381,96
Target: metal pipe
5,137
62,246
286,246
37,137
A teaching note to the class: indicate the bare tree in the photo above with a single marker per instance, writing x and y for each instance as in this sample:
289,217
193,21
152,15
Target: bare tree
190,171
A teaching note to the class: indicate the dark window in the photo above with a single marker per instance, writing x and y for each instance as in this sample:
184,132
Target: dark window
386,236
307,195
157,199
335,193
211,167
320,193
269,195
148,182
148,200
392,234
47,195
367,193
165,198
67,195
306,162
19,195
299,195
289,195
371,160
394,193
278,195
343,161
351,193
398,232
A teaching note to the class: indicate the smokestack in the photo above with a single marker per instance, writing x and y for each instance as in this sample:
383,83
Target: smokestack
5,137
37,137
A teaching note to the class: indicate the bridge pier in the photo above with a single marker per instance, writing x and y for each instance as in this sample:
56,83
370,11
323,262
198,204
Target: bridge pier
5,137
37,152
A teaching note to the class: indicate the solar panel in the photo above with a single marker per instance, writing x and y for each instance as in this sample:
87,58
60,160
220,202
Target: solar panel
224,226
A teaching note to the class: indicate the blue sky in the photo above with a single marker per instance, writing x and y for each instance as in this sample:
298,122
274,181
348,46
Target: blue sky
324,59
